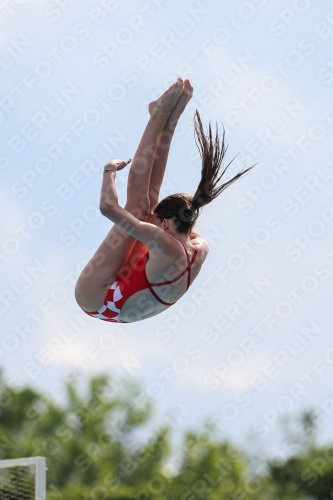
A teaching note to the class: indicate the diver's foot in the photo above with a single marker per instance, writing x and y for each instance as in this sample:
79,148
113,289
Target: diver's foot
182,101
165,104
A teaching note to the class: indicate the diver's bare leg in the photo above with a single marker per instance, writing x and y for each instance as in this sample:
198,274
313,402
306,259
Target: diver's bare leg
163,145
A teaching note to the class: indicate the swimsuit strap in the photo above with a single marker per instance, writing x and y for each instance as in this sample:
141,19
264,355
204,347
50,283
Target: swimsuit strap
185,270
190,264
158,298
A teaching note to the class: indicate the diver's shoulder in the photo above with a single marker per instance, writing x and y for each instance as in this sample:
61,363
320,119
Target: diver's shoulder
201,243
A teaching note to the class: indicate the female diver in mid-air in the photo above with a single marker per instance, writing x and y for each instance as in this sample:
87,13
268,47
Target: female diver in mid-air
152,254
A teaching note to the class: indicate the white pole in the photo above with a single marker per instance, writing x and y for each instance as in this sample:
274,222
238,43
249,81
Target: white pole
40,478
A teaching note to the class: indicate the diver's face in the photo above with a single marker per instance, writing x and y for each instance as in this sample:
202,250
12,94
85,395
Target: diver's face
155,220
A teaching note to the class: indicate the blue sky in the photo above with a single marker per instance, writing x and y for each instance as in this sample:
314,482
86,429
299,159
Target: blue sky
250,341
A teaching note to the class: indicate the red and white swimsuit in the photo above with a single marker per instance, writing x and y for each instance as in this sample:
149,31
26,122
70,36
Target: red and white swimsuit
121,290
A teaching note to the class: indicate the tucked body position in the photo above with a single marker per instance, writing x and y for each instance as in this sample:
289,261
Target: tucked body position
152,254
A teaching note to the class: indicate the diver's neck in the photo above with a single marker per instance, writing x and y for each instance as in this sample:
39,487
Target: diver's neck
182,238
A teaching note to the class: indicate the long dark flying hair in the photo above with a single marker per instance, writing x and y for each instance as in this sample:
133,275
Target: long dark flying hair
184,208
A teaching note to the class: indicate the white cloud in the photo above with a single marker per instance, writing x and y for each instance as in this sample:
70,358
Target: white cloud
269,104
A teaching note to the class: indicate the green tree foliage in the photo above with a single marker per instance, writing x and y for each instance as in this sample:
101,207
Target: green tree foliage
93,450
309,474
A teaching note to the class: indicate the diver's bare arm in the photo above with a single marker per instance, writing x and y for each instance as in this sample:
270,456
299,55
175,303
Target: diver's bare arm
199,241
194,235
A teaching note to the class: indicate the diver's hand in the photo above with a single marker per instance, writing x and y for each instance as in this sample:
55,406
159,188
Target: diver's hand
117,164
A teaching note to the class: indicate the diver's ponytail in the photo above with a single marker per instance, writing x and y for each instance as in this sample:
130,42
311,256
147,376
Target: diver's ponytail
212,155
183,208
